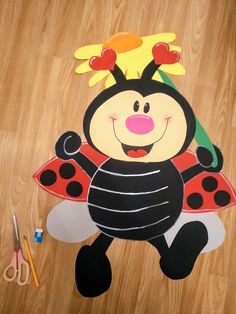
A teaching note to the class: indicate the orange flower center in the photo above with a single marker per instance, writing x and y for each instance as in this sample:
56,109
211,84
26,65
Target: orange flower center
122,42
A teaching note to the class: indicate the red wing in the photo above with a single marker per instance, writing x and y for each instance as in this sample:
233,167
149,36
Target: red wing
206,192
65,178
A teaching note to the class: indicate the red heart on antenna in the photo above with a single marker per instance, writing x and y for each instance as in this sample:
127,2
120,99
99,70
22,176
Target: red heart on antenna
107,60
162,54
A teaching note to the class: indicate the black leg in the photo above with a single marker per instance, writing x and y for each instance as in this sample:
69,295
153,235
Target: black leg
92,269
178,260
160,244
102,243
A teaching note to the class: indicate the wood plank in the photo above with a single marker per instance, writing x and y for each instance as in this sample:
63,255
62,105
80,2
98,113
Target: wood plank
41,97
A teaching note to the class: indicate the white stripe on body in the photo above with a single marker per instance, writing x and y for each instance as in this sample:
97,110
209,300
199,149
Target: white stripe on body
128,211
129,175
127,193
133,228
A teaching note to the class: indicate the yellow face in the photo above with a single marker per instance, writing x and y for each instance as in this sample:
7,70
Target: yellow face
131,127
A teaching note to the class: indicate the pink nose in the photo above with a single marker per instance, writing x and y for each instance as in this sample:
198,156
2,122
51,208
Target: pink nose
139,124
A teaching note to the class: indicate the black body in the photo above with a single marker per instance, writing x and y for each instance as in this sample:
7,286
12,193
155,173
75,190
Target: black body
133,200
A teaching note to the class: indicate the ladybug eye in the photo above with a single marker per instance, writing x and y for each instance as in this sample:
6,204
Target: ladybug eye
136,106
146,107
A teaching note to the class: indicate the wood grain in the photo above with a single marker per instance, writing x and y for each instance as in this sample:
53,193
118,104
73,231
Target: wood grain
41,97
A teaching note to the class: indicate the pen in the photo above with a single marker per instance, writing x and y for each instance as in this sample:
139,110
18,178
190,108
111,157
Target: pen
27,248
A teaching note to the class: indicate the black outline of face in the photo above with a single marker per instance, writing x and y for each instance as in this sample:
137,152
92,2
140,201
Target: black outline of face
144,87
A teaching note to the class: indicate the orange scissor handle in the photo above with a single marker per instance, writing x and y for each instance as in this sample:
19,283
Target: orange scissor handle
10,271
23,269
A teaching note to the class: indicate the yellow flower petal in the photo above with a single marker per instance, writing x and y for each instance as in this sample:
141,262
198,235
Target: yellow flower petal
134,60
110,81
157,77
176,69
83,68
131,62
98,77
86,52
176,48
163,37
131,73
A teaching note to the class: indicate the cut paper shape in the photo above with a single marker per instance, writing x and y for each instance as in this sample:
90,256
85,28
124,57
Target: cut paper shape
177,261
70,222
201,195
136,176
206,192
162,54
213,224
106,61
92,268
221,197
65,178
123,42
133,54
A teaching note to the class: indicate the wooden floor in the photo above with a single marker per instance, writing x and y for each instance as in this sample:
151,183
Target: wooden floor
41,97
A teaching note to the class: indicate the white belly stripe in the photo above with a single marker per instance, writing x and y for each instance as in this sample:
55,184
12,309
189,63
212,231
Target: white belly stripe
128,211
129,175
132,228
128,193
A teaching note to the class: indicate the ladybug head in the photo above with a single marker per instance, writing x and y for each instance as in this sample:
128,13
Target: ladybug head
139,120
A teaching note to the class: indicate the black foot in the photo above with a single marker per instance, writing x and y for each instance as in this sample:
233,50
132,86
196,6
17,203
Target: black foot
178,261
92,272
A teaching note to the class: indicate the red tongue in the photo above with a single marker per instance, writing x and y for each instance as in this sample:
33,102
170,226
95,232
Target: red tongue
137,154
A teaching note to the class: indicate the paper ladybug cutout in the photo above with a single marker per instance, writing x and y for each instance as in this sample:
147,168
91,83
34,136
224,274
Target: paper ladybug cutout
136,175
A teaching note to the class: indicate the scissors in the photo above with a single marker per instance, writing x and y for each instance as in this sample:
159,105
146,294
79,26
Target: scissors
18,268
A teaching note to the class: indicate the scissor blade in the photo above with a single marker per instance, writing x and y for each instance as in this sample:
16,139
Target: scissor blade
16,234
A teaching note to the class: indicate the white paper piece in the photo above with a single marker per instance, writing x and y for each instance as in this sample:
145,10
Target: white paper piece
70,222
214,225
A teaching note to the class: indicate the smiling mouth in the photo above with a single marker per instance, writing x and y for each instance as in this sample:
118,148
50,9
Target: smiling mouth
139,151
136,151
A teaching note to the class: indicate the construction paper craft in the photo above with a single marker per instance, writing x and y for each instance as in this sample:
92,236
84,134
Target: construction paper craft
135,175
106,61
67,179
133,54
162,54
70,222
213,224
203,193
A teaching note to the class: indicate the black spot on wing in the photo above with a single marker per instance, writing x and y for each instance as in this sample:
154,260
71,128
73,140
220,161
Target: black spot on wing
67,170
209,184
222,198
195,200
74,189
48,177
